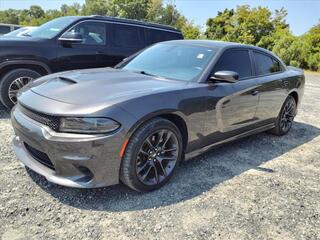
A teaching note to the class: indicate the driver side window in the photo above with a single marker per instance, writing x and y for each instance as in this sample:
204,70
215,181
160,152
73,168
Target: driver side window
93,33
235,60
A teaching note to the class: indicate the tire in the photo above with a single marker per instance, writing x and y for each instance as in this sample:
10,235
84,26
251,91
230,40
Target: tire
136,159
287,114
7,82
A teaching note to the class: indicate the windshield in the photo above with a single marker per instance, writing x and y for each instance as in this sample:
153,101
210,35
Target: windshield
15,32
171,60
52,28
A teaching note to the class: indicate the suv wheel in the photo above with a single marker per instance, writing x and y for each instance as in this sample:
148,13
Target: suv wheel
12,82
152,155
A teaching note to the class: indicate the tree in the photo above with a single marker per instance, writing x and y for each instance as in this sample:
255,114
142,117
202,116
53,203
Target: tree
10,16
96,7
137,9
36,12
257,26
312,38
292,50
245,25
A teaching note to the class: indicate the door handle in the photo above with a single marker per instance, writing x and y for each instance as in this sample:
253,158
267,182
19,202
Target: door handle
99,52
254,92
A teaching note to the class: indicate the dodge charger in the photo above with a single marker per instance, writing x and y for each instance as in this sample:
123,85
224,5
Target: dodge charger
167,103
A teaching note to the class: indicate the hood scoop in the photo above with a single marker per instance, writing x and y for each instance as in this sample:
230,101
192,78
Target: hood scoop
67,79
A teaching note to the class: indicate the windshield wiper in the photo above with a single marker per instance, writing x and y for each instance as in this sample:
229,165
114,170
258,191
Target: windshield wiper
26,34
146,73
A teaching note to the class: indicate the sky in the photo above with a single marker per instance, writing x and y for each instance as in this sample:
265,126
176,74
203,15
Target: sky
302,14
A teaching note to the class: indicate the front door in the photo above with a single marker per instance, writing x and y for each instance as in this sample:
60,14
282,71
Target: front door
232,106
90,53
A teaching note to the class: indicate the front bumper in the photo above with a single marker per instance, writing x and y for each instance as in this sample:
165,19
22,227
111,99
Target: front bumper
78,160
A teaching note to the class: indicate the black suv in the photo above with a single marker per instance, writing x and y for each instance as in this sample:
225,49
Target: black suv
73,43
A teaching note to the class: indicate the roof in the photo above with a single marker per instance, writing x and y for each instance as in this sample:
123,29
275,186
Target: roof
9,24
132,21
220,44
209,43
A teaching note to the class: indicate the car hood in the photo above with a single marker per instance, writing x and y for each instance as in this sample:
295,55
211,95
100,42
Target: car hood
100,86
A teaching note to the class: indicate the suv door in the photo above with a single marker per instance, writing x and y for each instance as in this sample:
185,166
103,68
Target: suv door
125,40
273,81
232,106
90,53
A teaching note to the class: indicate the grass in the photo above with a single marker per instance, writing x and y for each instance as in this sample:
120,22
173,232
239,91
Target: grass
311,72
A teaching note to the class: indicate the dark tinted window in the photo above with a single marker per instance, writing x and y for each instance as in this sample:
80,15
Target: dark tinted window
126,36
93,33
235,60
266,64
160,36
4,29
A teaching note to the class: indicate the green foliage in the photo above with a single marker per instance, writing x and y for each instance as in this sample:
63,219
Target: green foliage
145,10
246,25
256,26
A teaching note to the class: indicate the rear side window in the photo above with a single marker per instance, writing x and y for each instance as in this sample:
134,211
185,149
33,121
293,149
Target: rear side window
161,36
266,64
4,29
126,36
235,60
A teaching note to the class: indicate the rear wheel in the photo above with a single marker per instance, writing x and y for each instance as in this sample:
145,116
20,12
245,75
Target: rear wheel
152,155
286,116
12,82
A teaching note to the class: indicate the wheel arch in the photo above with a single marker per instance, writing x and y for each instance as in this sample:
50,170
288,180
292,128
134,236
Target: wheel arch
37,66
175,117
295,95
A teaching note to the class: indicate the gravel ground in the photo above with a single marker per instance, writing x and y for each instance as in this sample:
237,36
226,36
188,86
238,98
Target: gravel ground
261,187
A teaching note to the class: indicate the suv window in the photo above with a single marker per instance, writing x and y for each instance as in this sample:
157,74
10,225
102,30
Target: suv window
235,60
266,64
4,29
126,36
160,36
93,33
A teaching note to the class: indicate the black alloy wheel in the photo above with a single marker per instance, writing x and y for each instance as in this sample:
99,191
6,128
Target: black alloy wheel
286,116
157,157
152,155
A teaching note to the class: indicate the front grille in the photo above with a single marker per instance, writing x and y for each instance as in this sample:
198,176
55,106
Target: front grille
50,121
41,157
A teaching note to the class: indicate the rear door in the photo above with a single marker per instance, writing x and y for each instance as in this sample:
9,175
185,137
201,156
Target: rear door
90,53
125,40
272,77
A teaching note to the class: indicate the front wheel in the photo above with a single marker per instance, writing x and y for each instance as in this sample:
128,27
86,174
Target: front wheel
152,155
286,116
12,82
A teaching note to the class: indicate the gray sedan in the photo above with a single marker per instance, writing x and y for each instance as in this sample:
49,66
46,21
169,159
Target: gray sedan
137,121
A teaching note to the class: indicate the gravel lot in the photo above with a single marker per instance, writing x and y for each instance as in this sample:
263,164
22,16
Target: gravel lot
261,187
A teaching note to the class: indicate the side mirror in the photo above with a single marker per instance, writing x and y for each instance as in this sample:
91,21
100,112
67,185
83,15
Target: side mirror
71,37
225,76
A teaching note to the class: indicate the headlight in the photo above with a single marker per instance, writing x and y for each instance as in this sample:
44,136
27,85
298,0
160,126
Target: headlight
88,125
